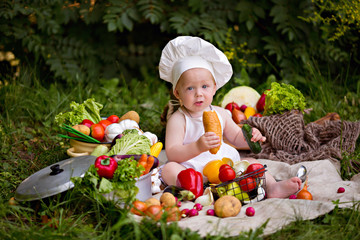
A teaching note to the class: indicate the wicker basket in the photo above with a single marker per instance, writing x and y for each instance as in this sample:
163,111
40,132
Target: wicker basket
247,188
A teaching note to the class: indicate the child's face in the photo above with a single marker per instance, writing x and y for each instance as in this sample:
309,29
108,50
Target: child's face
196,89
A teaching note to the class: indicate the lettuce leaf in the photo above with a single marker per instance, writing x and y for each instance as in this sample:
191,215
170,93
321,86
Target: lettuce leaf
131,143
282,98
122,183
89,109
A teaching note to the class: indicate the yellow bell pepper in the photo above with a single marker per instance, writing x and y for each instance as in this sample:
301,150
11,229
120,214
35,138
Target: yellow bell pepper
211,169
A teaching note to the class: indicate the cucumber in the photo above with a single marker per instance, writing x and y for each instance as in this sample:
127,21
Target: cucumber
254,146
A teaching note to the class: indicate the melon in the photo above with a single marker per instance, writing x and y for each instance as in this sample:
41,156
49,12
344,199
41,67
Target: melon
242,95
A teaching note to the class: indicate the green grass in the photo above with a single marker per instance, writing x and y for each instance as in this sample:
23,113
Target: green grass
29,143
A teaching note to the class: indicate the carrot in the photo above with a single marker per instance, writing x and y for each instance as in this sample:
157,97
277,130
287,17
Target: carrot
149,164
212,124
143,161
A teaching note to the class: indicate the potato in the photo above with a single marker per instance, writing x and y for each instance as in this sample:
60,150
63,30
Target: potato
227,206
132,115
152,201
81,128
167,199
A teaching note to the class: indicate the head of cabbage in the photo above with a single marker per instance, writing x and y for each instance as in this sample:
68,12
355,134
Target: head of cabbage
131,143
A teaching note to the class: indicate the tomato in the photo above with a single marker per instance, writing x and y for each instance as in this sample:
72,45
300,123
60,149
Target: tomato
105,123
113,119
87,122
97,131
154,211
255,167
247,184
138,208
226,173
257,115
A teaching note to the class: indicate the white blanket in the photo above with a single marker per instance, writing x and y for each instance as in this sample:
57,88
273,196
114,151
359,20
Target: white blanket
323,180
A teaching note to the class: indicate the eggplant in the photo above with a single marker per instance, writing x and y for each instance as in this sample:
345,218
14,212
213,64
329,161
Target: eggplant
180,193
136,157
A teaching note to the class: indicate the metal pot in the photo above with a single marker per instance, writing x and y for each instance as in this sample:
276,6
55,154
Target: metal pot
56,179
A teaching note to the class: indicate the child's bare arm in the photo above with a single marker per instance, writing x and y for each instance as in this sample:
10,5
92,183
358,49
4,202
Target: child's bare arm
175,132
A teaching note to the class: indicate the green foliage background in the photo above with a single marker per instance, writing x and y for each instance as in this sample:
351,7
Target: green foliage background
77,40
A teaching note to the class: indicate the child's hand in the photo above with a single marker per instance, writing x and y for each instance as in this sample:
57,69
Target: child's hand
208,141
257,136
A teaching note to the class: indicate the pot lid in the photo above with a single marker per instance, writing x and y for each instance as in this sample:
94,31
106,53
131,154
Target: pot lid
53,179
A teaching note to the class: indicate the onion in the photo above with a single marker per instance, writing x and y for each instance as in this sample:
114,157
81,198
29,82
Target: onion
207,199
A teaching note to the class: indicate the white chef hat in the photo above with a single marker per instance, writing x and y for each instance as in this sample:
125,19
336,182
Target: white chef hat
186,52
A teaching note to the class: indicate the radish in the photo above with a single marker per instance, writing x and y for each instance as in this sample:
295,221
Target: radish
184,212
250,211
210,212
292,196
198,206
193,212
243,108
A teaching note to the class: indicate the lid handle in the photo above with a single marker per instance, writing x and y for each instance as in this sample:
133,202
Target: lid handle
55,169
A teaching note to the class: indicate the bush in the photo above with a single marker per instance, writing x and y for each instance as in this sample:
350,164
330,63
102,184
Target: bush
106,39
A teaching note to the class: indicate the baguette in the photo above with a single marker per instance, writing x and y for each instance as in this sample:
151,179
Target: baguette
212,124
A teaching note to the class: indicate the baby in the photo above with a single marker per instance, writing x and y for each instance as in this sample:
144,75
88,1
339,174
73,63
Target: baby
196,70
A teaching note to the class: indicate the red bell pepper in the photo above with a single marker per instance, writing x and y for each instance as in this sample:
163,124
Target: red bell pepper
106,166
191,180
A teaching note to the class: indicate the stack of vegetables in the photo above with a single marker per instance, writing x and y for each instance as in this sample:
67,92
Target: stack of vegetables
132,152
84,123
244,102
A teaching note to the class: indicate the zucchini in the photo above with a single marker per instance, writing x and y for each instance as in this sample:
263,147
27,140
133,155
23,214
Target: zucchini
254,146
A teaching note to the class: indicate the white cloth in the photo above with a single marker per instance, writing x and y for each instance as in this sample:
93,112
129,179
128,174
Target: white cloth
194,130
186,52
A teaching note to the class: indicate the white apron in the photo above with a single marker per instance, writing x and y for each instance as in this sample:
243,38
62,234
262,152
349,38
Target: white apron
194,129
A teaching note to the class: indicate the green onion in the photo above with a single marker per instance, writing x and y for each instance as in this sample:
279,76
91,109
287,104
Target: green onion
81,136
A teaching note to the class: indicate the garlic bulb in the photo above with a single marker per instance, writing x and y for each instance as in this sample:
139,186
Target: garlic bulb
152,137
128,124
114,129
155,181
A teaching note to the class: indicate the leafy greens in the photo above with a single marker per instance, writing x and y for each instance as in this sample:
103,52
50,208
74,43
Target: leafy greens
122,184
131,143
89,109
283,97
